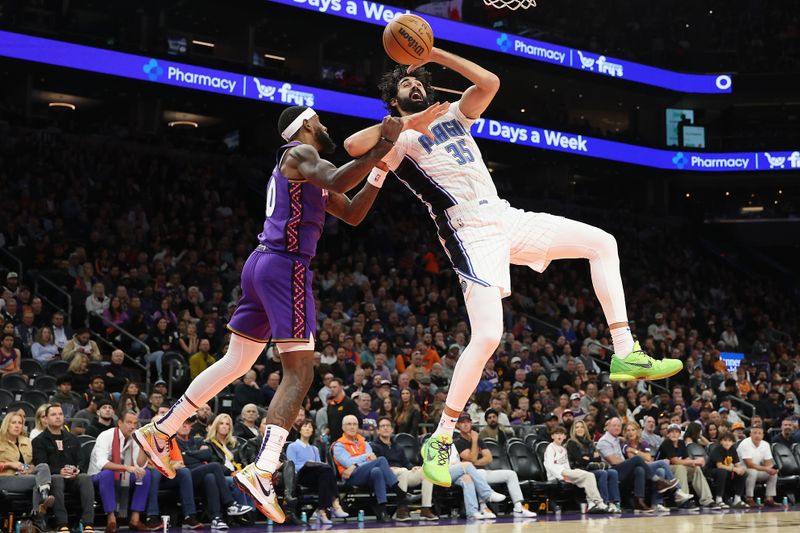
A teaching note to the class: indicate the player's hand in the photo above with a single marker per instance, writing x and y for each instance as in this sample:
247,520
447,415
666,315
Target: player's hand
432,57
421,120
391,127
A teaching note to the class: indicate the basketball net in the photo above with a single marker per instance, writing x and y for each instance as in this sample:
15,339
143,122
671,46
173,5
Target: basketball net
511,4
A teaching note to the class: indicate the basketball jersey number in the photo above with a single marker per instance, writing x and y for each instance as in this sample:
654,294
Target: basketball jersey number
271,196
460,152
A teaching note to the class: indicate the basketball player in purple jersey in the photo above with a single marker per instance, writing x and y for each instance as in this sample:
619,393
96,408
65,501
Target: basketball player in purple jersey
277,301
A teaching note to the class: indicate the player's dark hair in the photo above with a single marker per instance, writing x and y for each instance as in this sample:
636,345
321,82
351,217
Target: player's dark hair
288,115
390,80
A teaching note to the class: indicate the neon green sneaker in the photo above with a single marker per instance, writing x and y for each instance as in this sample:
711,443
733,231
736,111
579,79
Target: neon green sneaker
639,365
436,460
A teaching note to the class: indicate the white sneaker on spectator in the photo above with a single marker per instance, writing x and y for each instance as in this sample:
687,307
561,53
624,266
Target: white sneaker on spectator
682,497
614,508
339,513
237,509
218,523
496,497
661,508
523,513
487,513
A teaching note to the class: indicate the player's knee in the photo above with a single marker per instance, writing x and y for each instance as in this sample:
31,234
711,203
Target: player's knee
487,338
608,244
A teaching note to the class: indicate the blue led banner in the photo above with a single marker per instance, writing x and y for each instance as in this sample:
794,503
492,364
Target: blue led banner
165,72
488,39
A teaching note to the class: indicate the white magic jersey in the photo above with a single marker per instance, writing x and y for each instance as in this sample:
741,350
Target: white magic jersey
481,234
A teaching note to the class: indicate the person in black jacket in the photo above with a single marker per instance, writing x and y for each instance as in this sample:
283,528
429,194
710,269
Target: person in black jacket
207,476
407,474
247,427
339,406
247,392
583,455
62,451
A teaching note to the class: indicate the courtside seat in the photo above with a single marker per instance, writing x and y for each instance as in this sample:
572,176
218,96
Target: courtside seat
788,469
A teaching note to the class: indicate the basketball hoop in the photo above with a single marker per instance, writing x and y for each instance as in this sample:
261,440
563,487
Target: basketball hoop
511,4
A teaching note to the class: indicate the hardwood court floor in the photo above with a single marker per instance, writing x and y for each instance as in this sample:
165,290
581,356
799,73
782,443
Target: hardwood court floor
773,521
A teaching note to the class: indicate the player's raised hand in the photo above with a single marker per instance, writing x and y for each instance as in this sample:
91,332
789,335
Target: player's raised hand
391,127
430,59
421,121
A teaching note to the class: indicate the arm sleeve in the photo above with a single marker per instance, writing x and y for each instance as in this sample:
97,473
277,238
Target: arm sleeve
291,453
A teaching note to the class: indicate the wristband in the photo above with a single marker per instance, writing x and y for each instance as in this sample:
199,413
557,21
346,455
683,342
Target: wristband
376,177
387,140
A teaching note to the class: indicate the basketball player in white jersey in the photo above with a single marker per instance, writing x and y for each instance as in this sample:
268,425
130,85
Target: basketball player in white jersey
482,234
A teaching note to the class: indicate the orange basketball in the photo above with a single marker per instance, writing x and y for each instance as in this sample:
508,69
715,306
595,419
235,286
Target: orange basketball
408,39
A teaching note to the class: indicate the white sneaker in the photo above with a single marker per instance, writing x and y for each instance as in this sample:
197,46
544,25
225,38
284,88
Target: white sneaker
488,514
339,513
496,497
477,516
596,508
614,508
218,523
682,497
523,513
660,508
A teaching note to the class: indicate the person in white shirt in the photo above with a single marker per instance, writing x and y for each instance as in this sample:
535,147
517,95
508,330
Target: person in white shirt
115,457
757,457
556,462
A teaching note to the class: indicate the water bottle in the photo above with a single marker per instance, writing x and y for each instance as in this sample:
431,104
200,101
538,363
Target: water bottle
785,503
558,512
80,526
269,522
16,527
361,515
304,517
758,501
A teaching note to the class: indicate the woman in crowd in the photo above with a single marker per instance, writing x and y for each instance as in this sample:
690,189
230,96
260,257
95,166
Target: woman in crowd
79,372
224,446
44,348
313,473
40,420
583,455
17,474
408,416
694,433
711,433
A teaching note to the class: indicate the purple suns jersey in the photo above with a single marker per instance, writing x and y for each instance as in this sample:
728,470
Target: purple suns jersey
295,213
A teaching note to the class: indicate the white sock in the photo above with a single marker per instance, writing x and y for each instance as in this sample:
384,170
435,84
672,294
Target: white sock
271,446
241,355
517,507
719,499
623,341
737,499
447,425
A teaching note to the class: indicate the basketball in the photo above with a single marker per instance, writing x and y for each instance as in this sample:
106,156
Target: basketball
408,39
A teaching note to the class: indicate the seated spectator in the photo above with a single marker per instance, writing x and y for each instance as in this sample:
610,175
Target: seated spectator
313,473
368,417
61,451
407,474
339,406
17,472
789,436
79,372
757,457
724,466
359,466
208,477
201,359
61,333
104,419
476,491
472,449
10,356
582,454
44,349
556,462
182,483
115,461
89,413
225,451
155,400
634,468
41,421
649,435
189,343
246,392
408,417
202,419
694,433
492,429
81,342
550,421
116,374
163,338
674,450
69,401
246,427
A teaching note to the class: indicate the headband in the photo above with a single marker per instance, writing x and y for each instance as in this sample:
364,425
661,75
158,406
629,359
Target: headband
297,123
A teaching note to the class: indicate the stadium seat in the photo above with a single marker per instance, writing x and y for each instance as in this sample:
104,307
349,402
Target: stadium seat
796,452
499,457
6,399
58,368
34,397
530,440
696,451
45,383
410,447
30,410
788,468
14,383
86,454
85,438
31,367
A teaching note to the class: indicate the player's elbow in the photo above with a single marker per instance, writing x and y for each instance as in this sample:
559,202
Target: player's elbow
492,82
348,146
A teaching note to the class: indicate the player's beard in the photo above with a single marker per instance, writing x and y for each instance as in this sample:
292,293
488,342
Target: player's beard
327,146
412,106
